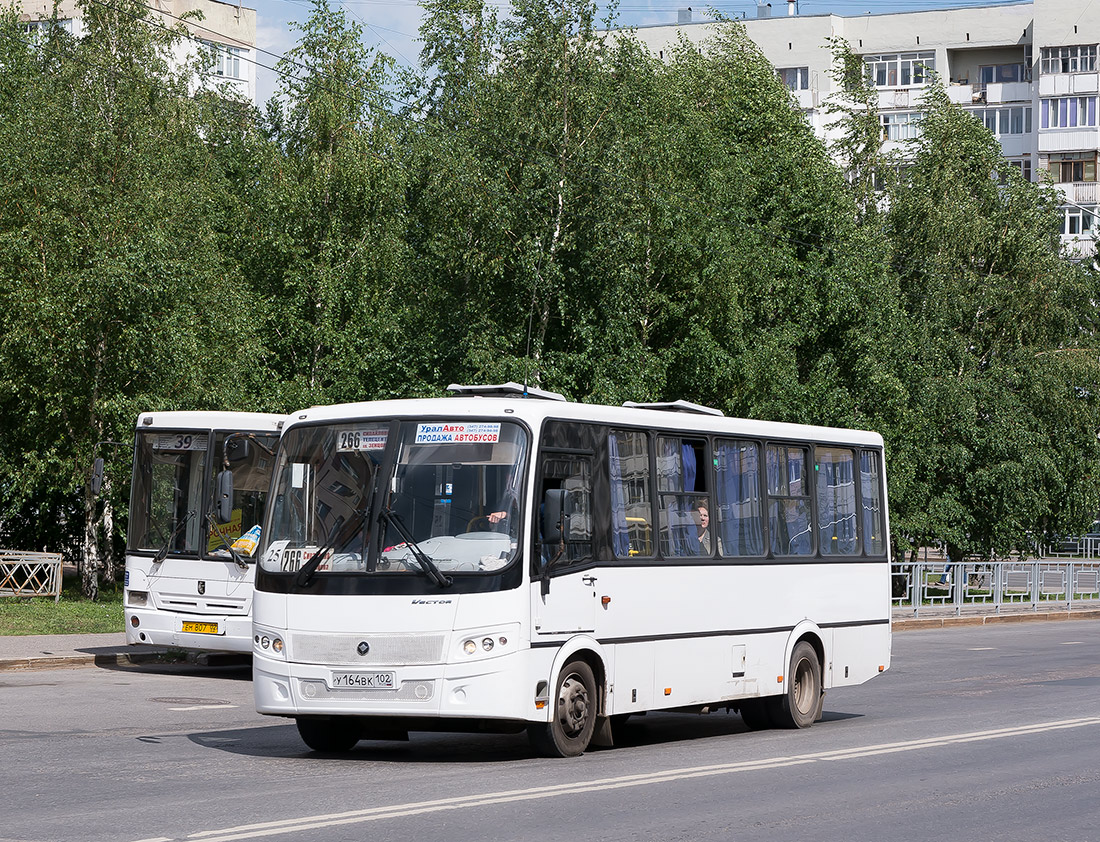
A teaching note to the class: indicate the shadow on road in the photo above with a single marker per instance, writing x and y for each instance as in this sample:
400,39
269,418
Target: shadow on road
654,729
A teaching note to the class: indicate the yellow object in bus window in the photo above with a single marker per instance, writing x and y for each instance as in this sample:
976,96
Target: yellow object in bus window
231,531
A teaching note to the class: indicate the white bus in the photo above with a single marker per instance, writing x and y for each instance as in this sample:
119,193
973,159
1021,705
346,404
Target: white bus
482,562
200,486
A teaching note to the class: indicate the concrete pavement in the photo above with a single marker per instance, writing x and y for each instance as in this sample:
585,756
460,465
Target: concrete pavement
69,651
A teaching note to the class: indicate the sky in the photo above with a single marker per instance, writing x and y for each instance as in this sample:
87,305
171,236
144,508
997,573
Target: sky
391,26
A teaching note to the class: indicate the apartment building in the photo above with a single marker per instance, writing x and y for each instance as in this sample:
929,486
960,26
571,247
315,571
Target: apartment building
228,30
1027,70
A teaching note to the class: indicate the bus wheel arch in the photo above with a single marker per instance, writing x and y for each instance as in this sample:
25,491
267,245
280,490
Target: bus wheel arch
577,703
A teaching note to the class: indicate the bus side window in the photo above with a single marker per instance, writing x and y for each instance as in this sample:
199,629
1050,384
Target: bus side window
628,462
788,500
684,505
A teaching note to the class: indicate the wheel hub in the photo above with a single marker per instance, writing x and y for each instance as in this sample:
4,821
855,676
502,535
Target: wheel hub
573,705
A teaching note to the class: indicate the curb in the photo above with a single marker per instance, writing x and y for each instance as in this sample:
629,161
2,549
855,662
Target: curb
918,623
124,659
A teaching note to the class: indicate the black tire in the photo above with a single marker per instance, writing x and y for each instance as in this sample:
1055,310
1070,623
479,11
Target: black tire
800,706
573,718
755,713
331,736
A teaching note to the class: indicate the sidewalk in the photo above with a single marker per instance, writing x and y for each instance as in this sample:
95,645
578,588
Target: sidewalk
69,651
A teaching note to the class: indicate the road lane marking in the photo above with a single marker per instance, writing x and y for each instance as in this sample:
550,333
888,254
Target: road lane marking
204,707
289,826
981,649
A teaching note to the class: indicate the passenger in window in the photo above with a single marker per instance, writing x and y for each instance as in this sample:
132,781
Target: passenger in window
702,517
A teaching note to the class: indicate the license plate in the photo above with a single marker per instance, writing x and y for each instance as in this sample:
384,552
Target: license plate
363,680
200,628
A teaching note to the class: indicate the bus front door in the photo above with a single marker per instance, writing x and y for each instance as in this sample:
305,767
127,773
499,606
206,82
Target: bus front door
568,605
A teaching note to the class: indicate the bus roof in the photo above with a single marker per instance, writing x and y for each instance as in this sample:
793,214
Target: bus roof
260,422
534,411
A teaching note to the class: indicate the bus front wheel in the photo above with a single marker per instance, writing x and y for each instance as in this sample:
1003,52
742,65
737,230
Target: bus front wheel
329,735
800,706
573,718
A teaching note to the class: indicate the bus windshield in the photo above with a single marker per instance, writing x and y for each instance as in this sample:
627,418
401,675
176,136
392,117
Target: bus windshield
174,476
371,495
170,469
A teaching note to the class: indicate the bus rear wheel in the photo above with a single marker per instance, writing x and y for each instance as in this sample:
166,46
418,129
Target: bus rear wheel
573,718
336,734
800,706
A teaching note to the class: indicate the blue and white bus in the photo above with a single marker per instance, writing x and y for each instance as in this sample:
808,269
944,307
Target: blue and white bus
507,560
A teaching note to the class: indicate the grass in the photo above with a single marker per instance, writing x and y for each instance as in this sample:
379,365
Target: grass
72,614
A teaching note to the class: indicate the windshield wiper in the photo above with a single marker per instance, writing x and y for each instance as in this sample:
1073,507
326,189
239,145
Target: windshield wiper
422,558
305,573
241,563
162,553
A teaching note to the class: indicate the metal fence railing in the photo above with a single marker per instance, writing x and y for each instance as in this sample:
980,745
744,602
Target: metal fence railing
1031,584
30,574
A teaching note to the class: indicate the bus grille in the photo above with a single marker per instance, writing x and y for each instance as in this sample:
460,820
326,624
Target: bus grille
395,650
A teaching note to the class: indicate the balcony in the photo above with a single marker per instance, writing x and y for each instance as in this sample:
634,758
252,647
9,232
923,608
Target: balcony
994,93
1079,192
997,92
1068,140
1067,84
1078,246
808,99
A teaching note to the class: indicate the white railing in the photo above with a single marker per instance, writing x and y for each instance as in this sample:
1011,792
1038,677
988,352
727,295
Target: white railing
984,587
30,574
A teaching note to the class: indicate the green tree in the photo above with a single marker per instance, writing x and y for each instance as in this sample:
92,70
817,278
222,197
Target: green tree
321,203
1003,397
113,294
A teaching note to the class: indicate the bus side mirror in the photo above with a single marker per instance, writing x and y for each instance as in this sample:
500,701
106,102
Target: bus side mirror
555,513
225,496
237,449
97,476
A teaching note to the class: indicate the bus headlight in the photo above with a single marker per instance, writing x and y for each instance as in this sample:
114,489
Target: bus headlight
268,643
138,599
486,642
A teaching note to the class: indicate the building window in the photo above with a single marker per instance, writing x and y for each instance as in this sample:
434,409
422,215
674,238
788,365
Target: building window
1076,59
900,70
795,78
998,73
1073,166
225,60
38,29
903,126
1023,165
1068,112
1077,222
1005,121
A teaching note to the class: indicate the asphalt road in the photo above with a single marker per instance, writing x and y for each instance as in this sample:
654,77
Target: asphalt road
983,733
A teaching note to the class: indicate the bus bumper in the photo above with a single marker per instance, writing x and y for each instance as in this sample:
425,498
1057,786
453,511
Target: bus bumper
158,628
488,689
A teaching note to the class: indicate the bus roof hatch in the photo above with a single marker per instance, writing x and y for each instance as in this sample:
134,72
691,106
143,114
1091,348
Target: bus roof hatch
504,390
676,406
